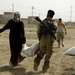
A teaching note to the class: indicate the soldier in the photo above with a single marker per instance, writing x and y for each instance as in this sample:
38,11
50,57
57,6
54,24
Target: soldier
61,29
46,42
16,38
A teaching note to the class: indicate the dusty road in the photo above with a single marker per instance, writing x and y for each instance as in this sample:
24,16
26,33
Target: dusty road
60,64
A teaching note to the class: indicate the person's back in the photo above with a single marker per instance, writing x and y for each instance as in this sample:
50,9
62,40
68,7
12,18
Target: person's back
60,32
60,26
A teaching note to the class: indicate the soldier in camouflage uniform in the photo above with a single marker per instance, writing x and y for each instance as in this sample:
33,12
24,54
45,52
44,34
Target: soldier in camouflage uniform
46,43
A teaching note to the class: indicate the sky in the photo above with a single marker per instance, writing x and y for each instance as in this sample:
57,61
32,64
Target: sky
64,9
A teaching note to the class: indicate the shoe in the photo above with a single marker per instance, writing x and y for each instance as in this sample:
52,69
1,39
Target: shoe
58,45
45,66
62,44
20,59
11,65
44,69
35,66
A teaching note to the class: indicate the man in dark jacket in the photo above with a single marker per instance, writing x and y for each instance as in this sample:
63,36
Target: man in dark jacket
16,38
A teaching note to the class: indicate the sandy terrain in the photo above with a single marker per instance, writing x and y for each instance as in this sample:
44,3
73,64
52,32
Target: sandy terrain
60,64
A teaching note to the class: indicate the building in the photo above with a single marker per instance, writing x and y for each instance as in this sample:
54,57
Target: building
4,18
25,21
31,20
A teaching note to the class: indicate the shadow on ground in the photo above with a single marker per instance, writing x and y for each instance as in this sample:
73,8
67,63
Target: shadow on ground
18,71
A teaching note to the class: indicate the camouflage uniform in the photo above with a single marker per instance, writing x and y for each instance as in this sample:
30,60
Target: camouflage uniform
46,45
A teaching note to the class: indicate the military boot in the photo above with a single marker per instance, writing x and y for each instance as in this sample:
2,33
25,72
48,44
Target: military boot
45,66
37,60
58,44
36,64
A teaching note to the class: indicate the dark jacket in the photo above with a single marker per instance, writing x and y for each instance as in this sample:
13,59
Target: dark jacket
16,35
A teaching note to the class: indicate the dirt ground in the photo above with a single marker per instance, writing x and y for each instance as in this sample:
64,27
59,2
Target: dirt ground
60,64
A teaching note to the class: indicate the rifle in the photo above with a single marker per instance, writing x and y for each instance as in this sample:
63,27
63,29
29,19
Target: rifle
46,27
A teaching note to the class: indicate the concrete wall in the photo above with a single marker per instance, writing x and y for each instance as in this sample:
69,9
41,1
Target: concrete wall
25,21
31,20
4,18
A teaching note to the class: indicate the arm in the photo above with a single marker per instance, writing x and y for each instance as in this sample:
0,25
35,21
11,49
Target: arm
39,31
64,28
23,34
7,26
